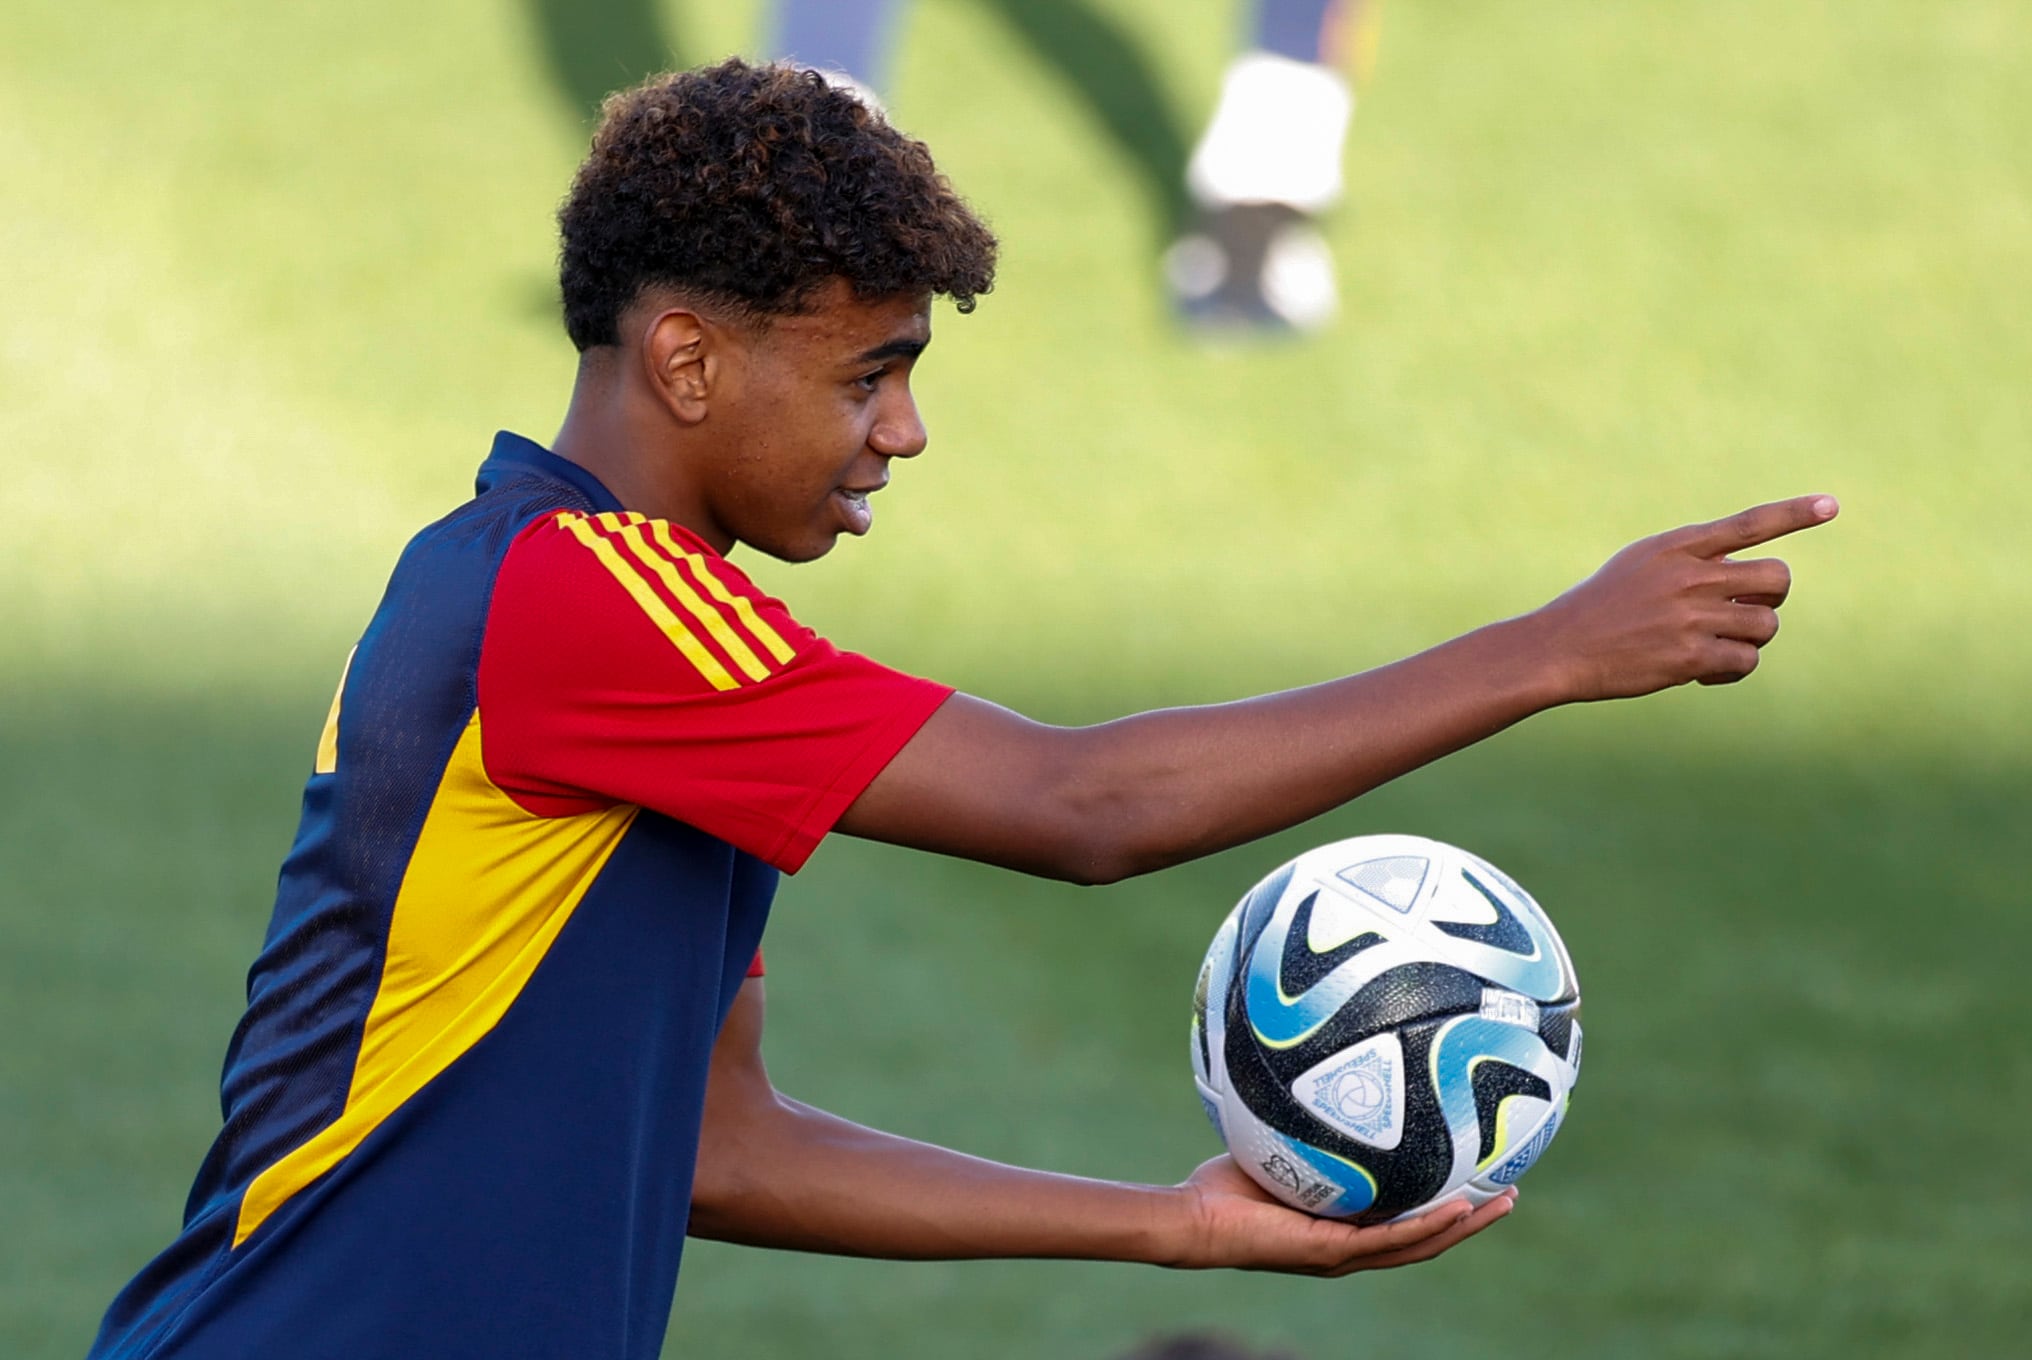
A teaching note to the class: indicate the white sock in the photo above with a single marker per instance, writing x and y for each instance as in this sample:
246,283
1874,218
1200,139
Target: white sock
1276,135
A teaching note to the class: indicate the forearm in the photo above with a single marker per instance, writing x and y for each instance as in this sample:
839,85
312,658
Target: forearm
1099,803
794,1177
1096,804
773,1172
1166,786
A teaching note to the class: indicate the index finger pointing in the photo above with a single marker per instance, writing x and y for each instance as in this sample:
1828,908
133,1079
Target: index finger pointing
1760,524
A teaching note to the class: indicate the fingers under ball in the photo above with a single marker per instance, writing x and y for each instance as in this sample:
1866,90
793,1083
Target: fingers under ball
1458,1232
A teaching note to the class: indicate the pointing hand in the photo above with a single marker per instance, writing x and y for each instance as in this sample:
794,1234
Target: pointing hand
1678,606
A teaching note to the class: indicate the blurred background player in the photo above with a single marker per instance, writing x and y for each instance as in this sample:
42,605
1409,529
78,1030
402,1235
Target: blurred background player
1267,164
848,41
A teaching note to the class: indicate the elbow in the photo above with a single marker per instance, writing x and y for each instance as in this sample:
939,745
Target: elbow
734,1141
1099,821
1100,866
719,1187
1097,841
1091,869
1095,861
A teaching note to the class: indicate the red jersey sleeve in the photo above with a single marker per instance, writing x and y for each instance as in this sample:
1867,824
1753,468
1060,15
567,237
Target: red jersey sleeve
755,968
624,661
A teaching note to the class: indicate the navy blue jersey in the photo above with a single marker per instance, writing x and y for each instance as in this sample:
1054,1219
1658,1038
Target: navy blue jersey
566,762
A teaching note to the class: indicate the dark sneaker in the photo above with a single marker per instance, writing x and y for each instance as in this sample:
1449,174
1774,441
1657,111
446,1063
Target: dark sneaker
1252,266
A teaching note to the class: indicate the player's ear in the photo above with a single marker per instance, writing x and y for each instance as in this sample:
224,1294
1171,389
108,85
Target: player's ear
679,359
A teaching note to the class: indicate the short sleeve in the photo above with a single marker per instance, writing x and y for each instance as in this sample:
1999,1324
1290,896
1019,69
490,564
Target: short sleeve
626,662
755,968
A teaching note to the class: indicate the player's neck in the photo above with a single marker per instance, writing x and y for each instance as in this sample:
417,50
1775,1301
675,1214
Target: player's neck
606,432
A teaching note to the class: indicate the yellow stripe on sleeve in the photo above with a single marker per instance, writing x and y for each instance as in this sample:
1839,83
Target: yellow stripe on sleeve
730,641
652,604
740,604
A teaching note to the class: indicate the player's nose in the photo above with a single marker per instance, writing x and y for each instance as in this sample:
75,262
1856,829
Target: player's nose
899,431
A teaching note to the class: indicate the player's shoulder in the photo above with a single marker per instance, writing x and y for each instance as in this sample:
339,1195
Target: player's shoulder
627,549
651,581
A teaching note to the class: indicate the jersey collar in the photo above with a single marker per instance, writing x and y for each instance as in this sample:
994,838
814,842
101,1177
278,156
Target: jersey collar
512,455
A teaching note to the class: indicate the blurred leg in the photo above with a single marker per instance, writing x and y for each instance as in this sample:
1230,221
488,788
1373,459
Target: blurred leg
1302,30
1269,160
850,38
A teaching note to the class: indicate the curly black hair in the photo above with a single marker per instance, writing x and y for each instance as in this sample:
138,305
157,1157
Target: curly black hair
750,187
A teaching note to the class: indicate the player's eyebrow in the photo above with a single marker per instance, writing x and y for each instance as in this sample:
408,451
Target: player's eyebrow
893,349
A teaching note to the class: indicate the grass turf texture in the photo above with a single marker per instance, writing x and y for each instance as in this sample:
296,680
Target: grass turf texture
274,275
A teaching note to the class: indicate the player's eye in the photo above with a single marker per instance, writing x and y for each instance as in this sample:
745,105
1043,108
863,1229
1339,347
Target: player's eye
868,382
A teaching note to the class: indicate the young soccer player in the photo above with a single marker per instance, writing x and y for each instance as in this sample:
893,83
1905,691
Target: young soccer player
502,1046
1266,165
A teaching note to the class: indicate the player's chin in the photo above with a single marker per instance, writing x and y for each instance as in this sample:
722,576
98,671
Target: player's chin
804,534
807,546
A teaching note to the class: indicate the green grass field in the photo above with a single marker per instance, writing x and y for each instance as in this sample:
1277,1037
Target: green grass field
273,274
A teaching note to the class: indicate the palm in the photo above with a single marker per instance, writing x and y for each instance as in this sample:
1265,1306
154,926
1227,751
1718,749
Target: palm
1242,1225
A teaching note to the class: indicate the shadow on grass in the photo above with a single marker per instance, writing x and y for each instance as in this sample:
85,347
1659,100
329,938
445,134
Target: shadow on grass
594,47
1803,995
1099,64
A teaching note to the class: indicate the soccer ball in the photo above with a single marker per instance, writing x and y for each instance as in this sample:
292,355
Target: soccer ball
1383,1023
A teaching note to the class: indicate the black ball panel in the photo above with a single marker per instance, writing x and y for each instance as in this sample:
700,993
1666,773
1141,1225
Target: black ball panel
1414,991
1300,970
1495,1081
1418,1168
1407,1175
1555,1027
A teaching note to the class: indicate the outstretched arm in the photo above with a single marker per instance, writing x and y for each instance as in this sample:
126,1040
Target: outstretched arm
773,1172
1094,804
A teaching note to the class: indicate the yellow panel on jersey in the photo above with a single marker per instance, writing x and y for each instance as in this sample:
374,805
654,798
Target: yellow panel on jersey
652,604
487,890
328,740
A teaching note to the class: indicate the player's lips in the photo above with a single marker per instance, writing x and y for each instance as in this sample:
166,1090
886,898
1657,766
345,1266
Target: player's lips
853,505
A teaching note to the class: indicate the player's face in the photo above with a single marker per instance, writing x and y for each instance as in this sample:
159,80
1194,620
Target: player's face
821,404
